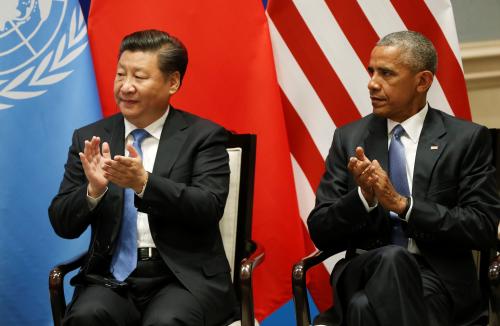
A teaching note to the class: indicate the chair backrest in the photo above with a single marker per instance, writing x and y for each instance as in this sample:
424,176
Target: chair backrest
495,138
229,223
483,258
236,223
494,289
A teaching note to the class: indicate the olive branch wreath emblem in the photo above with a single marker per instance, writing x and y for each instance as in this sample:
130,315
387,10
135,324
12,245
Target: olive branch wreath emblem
33,81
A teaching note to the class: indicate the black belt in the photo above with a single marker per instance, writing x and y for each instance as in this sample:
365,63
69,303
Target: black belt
148,254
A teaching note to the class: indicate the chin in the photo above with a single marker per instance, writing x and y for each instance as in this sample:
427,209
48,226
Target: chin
129,113
380,112
128,108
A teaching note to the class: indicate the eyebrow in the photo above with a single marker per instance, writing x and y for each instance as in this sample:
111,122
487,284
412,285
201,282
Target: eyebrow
136,68
383,68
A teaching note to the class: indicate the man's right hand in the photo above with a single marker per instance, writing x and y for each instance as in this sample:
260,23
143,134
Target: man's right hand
361,168
92,162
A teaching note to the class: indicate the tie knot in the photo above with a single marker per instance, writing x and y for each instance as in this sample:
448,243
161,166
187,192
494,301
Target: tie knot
139,135
398,131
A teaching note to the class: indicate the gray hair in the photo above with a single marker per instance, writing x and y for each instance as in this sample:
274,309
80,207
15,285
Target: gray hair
417,51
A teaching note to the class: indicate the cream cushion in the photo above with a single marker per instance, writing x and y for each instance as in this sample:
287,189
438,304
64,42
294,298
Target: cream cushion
229,221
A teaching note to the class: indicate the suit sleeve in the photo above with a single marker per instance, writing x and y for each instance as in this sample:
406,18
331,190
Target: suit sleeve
199,202
462,214
339,218
69,212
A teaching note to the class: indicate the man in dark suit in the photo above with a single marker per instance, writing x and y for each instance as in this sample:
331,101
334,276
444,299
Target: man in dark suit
153,194
414,189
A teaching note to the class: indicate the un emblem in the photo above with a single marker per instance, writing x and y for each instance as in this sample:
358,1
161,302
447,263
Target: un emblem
38,39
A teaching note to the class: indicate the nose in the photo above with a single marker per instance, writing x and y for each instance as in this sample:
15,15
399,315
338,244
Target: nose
127,86
373,84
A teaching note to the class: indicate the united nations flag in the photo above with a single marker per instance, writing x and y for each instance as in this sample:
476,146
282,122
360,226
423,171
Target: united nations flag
47,89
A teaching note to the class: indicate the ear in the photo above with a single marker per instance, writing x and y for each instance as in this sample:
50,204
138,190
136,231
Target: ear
174,79
424,80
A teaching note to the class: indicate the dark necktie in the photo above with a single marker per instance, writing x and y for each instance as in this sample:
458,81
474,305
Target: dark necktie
397,173
124,258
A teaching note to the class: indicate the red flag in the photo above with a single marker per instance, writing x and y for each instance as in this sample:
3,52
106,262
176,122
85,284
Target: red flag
321,50
230,79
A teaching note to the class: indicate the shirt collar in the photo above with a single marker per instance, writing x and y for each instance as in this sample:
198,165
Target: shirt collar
413,125
154,128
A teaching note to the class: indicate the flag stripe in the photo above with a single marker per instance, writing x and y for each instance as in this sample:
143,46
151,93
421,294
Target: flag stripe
305,194
302,145
356,26
301,94
443,13
382,16
418,17
340,55
313,63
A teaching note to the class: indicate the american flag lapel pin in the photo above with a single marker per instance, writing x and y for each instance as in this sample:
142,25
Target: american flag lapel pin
434,147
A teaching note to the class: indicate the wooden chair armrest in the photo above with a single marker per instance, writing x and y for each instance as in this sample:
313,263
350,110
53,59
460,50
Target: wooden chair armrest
494,277
299,287
494,267
314,259
247,265
494,270
56,286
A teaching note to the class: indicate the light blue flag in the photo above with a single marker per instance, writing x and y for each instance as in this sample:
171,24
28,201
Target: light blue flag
47,89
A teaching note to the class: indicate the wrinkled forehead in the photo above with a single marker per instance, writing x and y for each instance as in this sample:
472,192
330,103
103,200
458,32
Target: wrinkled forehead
387,56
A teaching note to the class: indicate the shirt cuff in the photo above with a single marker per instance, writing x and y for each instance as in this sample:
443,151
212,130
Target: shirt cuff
365,203
141,194
407,216
92,202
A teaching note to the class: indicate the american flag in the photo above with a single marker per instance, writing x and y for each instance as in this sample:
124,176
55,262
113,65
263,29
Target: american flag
321,50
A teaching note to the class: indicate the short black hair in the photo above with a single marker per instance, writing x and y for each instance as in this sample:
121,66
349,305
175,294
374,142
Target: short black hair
172,54
418,52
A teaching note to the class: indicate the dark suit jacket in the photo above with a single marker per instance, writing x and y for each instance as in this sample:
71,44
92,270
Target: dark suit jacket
184,198
455,203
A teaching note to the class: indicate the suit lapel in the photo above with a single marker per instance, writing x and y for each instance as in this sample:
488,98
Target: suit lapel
376,148
431,145
171,142
375,143
117,132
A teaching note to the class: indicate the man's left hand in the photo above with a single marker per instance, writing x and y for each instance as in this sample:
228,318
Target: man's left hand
126,172
385,192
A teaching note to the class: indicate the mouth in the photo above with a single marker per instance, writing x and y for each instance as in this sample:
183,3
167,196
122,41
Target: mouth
127,102
376,101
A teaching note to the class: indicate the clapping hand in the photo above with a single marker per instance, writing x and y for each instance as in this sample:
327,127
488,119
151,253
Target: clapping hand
92,162
375,183
385,192
126,171
361,169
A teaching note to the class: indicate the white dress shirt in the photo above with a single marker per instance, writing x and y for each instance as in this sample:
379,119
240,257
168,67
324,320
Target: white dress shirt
149,148
413,127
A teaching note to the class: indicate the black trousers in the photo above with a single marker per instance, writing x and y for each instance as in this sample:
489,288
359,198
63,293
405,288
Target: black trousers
154,297
389,286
